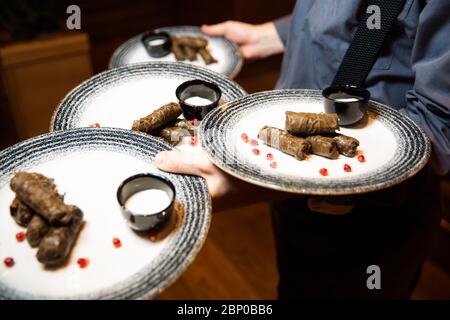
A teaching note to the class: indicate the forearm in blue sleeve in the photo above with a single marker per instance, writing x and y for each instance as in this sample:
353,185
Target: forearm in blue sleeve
428,104
283,25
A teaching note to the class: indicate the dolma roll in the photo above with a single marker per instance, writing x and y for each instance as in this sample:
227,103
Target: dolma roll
190,52
173,135
306,124
285,142
158,118
200,42
206,56
194,42
347,146
177,49
323,146
55,247
36,230
43,199
47,183
185,124
20,212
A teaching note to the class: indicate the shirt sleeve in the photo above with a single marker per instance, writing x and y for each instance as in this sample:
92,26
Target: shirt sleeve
428,103
283,25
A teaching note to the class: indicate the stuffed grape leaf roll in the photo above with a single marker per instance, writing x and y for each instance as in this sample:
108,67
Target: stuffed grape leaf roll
306,124
185,124
36,230
187,47
42,198
158,118
55,247
21,213
177,49
173,135
285,142
346,145
206,55
190,52
194,42
323,146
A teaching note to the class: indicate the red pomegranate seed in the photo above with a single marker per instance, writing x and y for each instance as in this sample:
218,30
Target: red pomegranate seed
323,172
193,141
20,236
361,158
244,137
9,262
256,152
347,168
117,243
253,142
83,262
269,157
274,165
194,122
152,237
95,125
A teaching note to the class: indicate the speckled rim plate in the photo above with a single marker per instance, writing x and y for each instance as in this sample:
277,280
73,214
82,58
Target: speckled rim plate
179,249
406,149
136,89
227,53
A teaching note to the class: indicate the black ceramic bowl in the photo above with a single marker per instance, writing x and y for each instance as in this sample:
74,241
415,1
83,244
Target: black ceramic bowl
145,221
197,89
349,102
158,44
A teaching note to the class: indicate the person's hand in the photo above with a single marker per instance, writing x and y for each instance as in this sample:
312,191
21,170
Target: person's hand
255,41
226,191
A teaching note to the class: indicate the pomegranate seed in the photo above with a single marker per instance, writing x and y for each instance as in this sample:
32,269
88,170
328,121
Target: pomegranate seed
253,142
20,236
323,172
269,157
244,137
95,125
256,152
9,262
193,141
117,243
194,122
152,237
274,165
347,168
361,158
83,262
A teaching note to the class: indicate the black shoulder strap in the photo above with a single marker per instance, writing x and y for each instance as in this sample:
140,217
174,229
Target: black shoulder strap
367,43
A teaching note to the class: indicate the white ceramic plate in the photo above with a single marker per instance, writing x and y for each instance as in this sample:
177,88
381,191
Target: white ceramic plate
394,147
227,53
88,165
117,97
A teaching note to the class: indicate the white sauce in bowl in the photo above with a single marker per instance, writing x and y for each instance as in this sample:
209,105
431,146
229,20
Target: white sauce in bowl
156,42
344,97
198,101
149,201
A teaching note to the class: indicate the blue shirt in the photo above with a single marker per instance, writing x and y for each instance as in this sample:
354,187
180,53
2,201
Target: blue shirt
412,73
